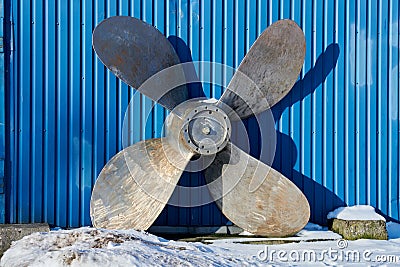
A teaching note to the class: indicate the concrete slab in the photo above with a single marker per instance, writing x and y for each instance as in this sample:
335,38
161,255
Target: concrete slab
359,229
13,232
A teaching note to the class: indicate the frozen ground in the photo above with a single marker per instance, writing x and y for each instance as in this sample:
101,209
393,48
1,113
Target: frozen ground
94,247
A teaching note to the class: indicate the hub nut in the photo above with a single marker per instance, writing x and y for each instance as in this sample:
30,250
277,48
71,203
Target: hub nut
207,129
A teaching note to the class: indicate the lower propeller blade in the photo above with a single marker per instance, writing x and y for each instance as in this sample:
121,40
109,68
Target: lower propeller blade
134,51
268,71
254,196
135,185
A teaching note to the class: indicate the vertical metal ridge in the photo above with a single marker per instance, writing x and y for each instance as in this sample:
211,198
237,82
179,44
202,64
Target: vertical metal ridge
3,114
398,113
356,82
335,107
346,87
379,132
362,105
86,138
389,106
32,117
20,84
382,108
393,146
306,127
38,136
368,96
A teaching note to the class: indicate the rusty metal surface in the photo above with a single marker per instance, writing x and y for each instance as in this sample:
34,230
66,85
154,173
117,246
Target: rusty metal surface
255,196
134,51
272,64
135,185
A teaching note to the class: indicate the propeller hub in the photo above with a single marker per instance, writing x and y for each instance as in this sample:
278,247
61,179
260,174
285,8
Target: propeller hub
207,129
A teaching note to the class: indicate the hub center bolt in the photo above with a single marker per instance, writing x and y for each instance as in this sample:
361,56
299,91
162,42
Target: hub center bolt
206,130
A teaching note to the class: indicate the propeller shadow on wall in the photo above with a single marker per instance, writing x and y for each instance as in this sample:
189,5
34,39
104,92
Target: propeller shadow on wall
315,193
185,55
208,214
321,199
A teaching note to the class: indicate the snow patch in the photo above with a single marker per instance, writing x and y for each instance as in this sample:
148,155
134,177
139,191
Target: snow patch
310,233
99,247
245,233
358,213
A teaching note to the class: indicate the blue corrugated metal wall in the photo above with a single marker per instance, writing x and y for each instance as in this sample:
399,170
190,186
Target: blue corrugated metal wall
2,117
338,129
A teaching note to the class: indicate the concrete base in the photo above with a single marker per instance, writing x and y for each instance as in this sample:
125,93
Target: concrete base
355,229
14,232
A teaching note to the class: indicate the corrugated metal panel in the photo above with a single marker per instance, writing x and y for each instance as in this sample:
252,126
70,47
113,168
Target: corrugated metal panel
338,129
2,117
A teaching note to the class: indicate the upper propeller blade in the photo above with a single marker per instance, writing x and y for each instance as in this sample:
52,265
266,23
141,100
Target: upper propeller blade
268,71
134,51
135,185
254,196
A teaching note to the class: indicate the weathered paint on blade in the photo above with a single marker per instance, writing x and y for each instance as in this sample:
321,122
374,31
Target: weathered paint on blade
269,70
275,208
134,51
135,185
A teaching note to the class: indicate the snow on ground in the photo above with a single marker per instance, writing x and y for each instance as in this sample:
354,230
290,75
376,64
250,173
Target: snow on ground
98,247
357,212
311,232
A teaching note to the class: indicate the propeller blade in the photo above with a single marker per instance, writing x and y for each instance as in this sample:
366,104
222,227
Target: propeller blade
254,196
268,71
134,51
135,185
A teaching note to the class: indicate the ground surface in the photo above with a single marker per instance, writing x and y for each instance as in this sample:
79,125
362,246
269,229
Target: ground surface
94,247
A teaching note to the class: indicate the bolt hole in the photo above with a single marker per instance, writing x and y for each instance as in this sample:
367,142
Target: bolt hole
217,148
188,141
216,110
195,157
224,117
197,148
208,151
202,146
228,128
195,110
210,112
